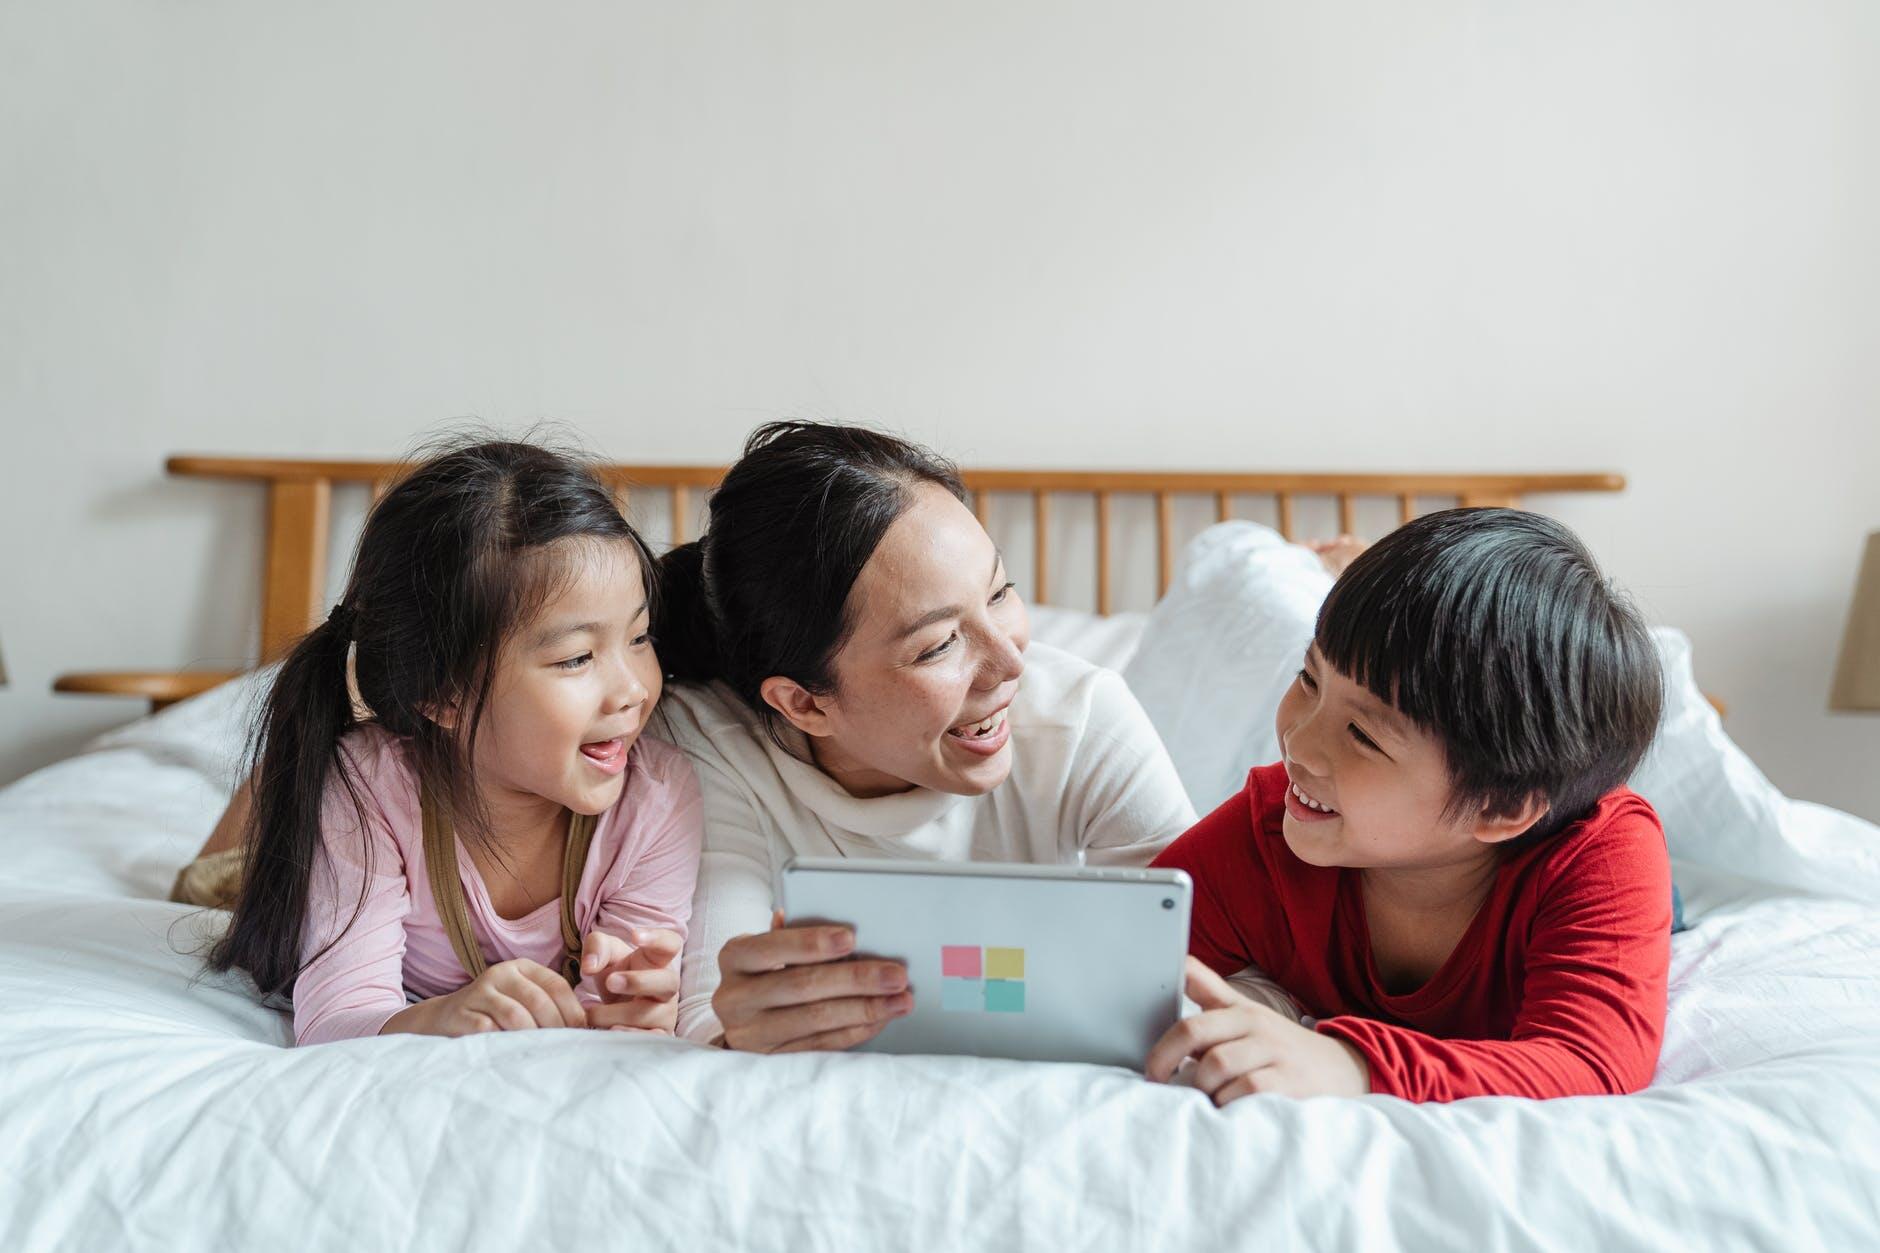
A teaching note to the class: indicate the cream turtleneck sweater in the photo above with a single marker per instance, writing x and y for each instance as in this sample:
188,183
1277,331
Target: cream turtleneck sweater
1088,776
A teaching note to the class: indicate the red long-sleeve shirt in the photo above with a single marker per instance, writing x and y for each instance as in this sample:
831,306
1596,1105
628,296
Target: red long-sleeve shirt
1556,989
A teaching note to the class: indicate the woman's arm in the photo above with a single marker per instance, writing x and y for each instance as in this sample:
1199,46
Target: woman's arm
1125,802
748,981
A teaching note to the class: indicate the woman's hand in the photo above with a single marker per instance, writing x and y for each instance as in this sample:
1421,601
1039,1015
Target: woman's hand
638,982
515,995
1246,1048
791,990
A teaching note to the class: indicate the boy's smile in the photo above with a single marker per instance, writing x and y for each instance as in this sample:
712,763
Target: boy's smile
1368,788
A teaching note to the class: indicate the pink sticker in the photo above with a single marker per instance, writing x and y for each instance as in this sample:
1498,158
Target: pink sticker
959,961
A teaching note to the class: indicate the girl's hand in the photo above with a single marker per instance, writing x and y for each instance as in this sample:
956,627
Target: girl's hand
515,995
638,982
791,990
1246,1048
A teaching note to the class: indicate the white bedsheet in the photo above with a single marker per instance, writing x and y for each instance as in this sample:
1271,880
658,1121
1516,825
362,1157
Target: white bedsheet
143,1106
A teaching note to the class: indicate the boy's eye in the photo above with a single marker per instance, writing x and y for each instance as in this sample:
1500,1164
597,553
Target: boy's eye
939,648
574,663
1306,678
998,597
1362,738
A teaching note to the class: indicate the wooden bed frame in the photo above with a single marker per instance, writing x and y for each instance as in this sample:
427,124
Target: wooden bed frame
300,493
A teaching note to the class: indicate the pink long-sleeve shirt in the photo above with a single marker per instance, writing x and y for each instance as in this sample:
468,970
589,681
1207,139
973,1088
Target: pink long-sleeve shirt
640,872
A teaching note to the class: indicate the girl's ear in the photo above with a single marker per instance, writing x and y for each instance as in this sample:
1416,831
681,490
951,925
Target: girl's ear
802,708
1493,827
445,715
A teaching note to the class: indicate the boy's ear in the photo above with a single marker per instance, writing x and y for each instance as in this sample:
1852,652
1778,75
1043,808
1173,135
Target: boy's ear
802,708
1497,826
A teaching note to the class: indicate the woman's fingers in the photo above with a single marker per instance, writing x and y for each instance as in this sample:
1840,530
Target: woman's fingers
805,985
781,1027
660,985
787,946
833,1041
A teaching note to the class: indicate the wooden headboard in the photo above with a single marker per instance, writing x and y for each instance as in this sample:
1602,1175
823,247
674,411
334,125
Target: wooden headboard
300,493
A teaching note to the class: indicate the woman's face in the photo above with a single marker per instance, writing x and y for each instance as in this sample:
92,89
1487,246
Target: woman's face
923,682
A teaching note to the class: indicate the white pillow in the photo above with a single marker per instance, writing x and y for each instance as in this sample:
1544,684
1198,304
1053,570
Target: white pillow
1719,810
1220,649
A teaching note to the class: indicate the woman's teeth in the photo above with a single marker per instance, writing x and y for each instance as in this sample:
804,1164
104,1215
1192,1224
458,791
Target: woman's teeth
974,730
1308,802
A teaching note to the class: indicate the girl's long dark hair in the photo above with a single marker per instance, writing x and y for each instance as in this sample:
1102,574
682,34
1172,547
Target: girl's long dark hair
452,559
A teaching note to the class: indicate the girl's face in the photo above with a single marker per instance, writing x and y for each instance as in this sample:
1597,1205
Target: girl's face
1369,787
573,690
924,680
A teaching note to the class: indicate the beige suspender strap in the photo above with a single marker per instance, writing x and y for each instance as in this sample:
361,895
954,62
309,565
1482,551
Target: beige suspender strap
440,861
573,863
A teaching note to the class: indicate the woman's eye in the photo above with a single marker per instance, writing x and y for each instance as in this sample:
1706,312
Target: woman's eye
939,648
574,663
642,639
998,597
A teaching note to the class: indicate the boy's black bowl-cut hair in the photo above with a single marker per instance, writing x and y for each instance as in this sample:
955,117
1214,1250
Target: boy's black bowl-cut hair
1494,630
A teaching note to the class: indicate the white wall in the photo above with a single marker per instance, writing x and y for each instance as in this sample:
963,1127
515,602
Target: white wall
1475,234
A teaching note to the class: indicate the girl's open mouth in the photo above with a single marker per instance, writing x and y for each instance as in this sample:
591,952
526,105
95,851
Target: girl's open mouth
610,756
983,738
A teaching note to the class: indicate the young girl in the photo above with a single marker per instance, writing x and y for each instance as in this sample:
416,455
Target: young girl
449,845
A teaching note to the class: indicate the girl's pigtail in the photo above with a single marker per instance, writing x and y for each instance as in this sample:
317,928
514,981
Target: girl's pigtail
308,709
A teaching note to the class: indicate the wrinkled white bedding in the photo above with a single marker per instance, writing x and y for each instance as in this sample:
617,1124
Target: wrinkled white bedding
144,1106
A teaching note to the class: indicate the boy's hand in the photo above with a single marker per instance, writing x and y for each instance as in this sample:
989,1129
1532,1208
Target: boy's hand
638,982
1243,1048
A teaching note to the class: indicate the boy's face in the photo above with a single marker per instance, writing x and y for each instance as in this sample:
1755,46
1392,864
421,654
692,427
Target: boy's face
1368,786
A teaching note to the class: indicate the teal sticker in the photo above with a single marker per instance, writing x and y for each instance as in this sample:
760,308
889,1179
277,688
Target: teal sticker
1005,996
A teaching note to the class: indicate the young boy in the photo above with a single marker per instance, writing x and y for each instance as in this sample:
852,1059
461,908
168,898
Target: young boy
1444,871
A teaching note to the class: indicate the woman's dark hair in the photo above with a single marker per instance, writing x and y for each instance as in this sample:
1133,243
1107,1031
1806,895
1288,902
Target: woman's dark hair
765,592
459,554
1495,630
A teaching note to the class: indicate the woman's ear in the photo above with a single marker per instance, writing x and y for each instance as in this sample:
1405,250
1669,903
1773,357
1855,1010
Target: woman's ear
802,708
1496,826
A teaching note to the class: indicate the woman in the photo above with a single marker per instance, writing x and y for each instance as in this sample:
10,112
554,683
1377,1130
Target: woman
853,676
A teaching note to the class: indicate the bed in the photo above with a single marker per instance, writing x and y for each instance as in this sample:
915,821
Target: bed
143,1104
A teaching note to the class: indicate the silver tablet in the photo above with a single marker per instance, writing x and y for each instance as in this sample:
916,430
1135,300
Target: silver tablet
1041,963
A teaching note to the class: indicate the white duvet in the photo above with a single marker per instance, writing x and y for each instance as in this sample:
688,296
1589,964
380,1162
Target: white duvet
145,1106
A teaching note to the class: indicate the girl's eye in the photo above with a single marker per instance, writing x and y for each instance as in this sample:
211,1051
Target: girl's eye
642,639
574,663
998,597
939,648
1362,738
